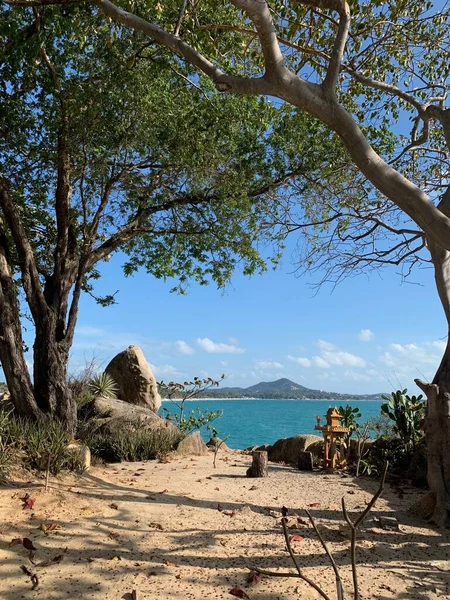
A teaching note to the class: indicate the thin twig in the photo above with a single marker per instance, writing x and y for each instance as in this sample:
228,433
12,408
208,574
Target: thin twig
339,586
355,526
47,475
297,566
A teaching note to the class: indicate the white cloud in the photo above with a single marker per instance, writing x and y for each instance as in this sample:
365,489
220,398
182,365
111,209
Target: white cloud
320,362
404,356
365,335
268,364
333,356
303,362
184,348
223,363
234,341
164,370
217,347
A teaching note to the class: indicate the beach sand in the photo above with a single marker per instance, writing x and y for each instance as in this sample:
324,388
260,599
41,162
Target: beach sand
183,529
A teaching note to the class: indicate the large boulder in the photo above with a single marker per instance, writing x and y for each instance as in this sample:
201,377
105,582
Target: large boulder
135,381
192,445
288,450
110,415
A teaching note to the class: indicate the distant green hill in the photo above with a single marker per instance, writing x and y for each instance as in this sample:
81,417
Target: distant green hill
283,389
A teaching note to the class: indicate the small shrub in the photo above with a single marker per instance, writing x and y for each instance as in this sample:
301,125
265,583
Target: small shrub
103,385
136,446
407,413
33,442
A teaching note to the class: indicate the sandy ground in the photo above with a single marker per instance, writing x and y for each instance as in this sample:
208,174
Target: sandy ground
184,530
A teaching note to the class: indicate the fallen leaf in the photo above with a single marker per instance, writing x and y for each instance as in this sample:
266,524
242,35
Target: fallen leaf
49,527
113,535
156,526
114,506
169,563
137,474
296,538
28,502
219,507
48,563
15,542
28,544
253,578
164,492
238,593
32,576
251,489
116,557
302,521
230,513
314,504
216,488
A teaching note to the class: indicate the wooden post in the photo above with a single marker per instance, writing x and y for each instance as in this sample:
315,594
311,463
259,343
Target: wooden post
259,465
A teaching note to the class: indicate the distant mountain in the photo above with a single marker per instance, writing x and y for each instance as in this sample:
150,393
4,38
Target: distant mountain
283,389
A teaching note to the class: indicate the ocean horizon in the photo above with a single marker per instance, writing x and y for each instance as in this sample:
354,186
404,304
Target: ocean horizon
257,421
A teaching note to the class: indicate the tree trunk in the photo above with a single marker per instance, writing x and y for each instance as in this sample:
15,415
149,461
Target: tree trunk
259,465
437,420
52,393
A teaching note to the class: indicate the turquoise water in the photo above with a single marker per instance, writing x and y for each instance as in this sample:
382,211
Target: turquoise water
254,422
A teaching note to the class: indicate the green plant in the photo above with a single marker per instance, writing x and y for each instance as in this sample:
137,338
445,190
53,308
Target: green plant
102,384
179,393
141,445
407,412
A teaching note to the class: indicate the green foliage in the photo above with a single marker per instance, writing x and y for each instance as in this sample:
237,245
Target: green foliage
195,419
179,393
407,412
103,385
349,418
34,442
139,445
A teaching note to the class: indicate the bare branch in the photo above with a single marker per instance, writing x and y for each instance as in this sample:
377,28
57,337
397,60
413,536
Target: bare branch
334,67
176,30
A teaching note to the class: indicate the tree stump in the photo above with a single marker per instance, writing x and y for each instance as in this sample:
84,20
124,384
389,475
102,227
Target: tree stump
259,465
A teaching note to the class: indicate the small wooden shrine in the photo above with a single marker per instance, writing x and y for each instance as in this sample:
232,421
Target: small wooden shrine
332,432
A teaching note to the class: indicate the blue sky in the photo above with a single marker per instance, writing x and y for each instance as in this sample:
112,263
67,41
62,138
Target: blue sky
367,336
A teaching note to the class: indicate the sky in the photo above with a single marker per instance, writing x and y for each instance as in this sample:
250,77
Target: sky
369,335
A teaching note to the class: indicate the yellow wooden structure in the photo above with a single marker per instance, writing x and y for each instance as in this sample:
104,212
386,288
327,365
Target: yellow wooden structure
332,431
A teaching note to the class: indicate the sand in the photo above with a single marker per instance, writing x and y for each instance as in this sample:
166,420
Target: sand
184,530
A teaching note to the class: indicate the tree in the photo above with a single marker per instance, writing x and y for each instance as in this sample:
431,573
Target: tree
365,82
161,168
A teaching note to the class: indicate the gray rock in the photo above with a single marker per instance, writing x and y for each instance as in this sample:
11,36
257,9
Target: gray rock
389,523
305,461
215,442
192,445
288,449
110,415
134,379
81,453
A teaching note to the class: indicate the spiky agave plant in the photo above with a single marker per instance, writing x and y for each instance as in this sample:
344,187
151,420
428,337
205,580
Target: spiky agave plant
103,385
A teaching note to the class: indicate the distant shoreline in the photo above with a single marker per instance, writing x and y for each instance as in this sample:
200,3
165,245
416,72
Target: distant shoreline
332,400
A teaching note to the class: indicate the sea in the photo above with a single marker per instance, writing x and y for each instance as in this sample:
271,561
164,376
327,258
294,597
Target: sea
251,422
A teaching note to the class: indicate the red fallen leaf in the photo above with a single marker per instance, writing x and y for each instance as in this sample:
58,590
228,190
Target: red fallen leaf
28,544
28,502
219,507
114,506
238,593
296,538
230,513
315,504
15,542
164,492
253,579
302,521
